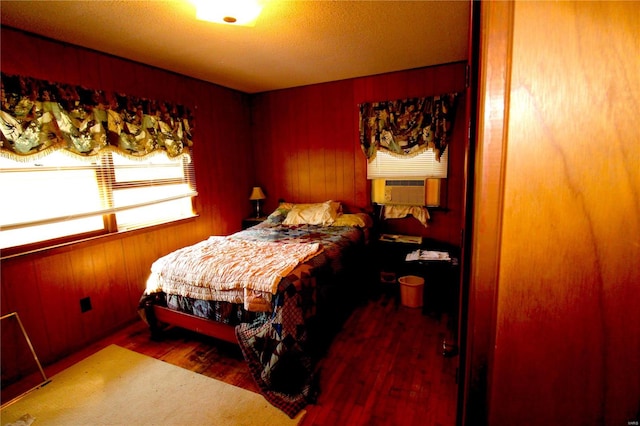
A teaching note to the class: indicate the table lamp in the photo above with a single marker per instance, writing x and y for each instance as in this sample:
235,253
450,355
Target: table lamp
257,195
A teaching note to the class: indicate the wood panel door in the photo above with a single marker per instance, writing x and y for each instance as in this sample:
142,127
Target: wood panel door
556,231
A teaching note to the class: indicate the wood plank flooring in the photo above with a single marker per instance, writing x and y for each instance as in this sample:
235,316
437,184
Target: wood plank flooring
385,367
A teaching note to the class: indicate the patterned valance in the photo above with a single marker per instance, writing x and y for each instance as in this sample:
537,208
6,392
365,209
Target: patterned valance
407,126
38,116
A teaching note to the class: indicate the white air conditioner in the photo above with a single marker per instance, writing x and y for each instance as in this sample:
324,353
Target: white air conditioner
405,191
412,192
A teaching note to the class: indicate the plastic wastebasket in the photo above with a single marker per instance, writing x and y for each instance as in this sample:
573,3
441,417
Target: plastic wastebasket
411,291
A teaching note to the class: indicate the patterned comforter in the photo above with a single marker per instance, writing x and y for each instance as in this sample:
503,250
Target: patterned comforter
275,343
229,269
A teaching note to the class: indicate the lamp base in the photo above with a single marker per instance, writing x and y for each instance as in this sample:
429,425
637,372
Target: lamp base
257,208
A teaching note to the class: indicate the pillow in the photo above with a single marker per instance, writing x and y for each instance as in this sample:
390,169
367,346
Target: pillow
336,207
313,214
361,220
278,216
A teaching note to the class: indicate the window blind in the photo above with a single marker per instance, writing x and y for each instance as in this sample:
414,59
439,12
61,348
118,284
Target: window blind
423,165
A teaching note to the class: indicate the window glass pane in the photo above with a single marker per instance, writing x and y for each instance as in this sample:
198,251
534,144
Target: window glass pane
38,195
161,211
56,186
156,167
34,234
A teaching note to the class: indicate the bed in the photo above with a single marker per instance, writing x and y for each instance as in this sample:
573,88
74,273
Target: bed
279,290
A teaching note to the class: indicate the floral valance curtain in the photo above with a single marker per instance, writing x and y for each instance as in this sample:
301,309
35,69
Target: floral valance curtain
407,126
39,116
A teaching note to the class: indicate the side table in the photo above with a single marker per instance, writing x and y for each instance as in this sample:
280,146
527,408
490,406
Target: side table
252,221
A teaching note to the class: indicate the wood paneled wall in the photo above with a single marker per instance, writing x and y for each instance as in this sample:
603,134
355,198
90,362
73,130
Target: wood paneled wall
307,147
304,145
45,288
561,226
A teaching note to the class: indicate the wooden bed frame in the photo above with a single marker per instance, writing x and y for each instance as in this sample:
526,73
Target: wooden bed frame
157,315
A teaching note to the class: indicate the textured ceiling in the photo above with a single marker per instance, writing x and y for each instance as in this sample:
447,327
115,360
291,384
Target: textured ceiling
293,43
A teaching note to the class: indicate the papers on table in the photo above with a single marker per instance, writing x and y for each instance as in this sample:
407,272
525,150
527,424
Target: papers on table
428,255
395,238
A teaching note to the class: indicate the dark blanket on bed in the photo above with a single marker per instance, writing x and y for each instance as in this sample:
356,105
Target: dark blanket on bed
278,350
277,356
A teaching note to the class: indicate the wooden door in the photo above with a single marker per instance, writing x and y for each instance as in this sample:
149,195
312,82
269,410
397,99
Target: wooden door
554,329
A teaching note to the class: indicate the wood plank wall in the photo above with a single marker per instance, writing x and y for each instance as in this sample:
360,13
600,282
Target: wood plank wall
307,149
565,247
45,287
305,145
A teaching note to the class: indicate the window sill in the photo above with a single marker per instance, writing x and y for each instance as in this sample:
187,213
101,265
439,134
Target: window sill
103,238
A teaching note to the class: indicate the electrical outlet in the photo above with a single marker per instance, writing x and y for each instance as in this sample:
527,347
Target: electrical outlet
85,304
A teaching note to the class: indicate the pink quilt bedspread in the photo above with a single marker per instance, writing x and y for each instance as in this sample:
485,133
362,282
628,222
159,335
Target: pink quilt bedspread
232,270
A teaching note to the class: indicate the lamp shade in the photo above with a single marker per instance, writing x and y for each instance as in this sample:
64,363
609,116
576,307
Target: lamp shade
257,194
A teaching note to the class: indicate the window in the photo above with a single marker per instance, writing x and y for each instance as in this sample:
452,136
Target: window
386,168
63,197
151,191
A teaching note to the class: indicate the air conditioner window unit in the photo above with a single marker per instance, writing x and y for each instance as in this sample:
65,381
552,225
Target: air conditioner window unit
407,192
411,192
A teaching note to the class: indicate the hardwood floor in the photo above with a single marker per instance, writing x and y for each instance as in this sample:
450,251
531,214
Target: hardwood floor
385,367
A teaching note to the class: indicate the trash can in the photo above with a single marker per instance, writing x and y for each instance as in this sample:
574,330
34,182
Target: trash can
411,291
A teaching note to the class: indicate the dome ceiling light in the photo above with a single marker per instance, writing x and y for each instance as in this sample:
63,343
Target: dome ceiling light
233,12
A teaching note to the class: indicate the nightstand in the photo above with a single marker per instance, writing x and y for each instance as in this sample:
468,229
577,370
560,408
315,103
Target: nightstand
252,221
441,277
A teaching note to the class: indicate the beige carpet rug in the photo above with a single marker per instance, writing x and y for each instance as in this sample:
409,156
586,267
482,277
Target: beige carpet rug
119,387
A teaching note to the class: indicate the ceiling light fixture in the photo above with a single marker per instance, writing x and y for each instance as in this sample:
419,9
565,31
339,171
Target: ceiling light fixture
234,12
